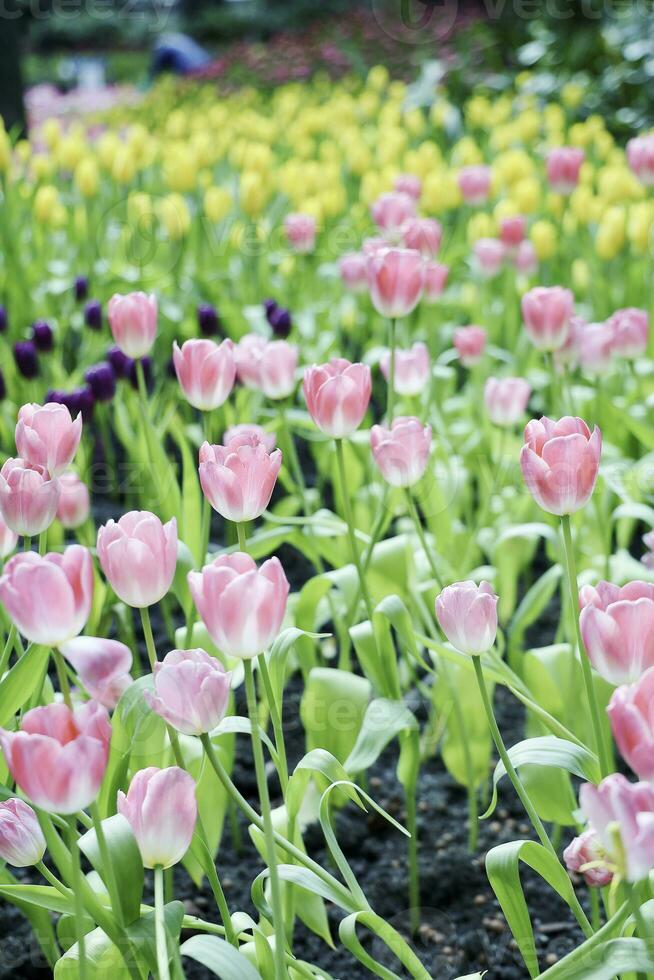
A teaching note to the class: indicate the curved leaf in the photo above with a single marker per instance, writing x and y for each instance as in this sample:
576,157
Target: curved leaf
389,936
383,720
125,858
220,957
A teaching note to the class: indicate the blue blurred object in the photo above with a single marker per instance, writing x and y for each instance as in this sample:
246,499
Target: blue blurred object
178,53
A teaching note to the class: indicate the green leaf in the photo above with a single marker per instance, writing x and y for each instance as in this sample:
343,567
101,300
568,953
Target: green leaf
389,936
190,517
303,878
220,957
318,761
383,720
38,896
103,959
39,919
617,957
332,710
126,862
533,604
20,683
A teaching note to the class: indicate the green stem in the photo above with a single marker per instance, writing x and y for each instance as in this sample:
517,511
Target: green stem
537,824
107,864
62,676
390,395
149,638
76,876
160,924
642,926
293,460
414,875
349,518
275,717
264,799
242,538
53,880
8,647
43,542
415,517
586,671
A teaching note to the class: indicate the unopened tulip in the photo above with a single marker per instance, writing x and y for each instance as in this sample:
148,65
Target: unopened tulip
337,395
8,538
59,755
245,432
506,399
277,368
161,809
47,436
559,463
631,712
525,258
28,497
191,691
353,269
390,211
133,322
622,814
489,255
74,502
408,184
512,231
396,277
467,614
470,344
424,235
49,597
435,279
206,372
640,156
563,166
241,605
546,312
474,184
103,666
300,232
22,843
370,246
595,347
138,554
617,626
630,332
401,452
586,855
247,354
238,479
411,369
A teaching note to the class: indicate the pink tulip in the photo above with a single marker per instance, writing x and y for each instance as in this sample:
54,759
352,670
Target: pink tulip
337,395
300,232
586,855
568,354
241,605
412,369
238,479
191,691
74,501
353,269
28,497
370,246
396,277
595,347
206,372
103,666
408,184
470,343
49,598
390,211
277,368
401,452
22,843
512,231
617,626
640,156
648,541
133,322
525,259
546,311
8,538
630,332
631,711
47,436
435,280
138,555
489,255
563,166
59,756
424,235
467,614
559,463
475,184
162,810
247,354
245,432
622,815
506,399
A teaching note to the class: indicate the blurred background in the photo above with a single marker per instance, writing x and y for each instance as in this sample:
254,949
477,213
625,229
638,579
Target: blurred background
65,56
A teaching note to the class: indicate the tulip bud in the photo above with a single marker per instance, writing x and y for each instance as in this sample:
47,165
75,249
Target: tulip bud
390,211
74,503
563,166
47,436
546,311
401,452
474,184
617,626
620,813
138,554
632,724
28,497
133,322
191,691
102,665
467,614
162,810
411,369
300,232
238,479
26,358
396,278
560,462
586,855
206,372
22,843
337,396
470,343
506,399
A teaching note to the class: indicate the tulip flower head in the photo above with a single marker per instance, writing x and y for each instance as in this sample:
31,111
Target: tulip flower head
408,184
161,809
241,605
337,395
470,344
559,462
47,436
467,614
424,235
632,724
133,322
586,855
621,814
563,166
401,452
396,279
8,538
488,257
475,184
247,354
206,372
103,666
28,497
49,597
546,312
435,280
74,502
617,626
138,554
58,756
246,431
412,369
506,399
512,232
238,479
277,367
191,691
640,156
300,232
353,269
630,332
22,843
391,211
